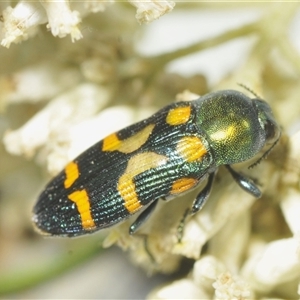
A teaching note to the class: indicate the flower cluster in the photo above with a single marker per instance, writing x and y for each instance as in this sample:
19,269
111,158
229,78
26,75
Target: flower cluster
63,17
242,248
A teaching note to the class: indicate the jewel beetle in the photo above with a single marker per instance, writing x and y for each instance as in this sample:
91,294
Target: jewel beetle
161,157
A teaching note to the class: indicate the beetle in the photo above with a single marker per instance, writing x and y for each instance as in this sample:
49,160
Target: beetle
161,157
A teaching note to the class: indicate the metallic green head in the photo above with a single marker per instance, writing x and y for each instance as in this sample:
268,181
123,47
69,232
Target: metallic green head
236,127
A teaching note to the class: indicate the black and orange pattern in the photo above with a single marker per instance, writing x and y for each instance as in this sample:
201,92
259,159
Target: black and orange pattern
166,155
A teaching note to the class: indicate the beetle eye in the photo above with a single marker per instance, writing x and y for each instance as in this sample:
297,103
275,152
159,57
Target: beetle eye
270,126
272,131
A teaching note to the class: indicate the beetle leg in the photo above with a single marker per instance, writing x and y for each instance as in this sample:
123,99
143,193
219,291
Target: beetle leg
151,257
180,227
142,217
203,195
245,183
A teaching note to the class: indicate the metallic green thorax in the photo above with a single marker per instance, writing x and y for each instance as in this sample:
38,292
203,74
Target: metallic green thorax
233,124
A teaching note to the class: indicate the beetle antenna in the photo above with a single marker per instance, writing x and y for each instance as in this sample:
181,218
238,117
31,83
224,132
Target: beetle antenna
248,89
264,155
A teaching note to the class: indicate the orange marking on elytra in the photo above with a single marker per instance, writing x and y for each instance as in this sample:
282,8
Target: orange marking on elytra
191,148
111,143
82,202
136,165
178,115
72,173
183,184
134,142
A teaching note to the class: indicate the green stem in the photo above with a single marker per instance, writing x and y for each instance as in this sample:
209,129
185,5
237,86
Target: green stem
15,281
147,67
163,59
290,53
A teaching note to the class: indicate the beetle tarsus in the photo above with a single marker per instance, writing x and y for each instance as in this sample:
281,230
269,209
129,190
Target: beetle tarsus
143,217
245,183
203,195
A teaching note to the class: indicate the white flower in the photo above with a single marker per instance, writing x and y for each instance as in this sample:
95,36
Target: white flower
36,82
21,22
231,288
277,263
180,289
96,5
51,125
150,10
61,20
290,205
